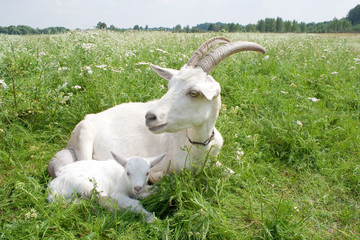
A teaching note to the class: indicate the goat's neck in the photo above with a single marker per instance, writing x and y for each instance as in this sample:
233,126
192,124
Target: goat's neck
204,131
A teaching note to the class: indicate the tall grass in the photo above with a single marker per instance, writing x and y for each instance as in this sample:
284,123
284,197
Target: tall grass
290,121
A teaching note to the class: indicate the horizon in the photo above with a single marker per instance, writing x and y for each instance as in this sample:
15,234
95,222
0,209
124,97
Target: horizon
81,14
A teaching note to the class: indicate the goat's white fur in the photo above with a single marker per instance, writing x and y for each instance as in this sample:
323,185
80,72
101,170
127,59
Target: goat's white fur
117,182
188,111
122,129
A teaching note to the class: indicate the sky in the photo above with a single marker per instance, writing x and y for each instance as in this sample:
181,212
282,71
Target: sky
85,14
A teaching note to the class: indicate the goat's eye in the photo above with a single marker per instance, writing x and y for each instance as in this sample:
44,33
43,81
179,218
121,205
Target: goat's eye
128,173
194,93
147,174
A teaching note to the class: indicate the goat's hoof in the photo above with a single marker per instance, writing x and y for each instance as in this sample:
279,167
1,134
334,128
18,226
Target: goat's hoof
150,218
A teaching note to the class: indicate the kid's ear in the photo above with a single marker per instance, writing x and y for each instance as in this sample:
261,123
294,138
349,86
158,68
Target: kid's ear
155,160
209,90
166,73
119,159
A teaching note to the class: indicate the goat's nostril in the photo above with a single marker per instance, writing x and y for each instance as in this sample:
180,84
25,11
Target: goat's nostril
150,117
137,188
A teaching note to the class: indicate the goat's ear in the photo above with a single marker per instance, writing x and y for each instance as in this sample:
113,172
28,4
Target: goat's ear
166,73
119,159
155,160
209,90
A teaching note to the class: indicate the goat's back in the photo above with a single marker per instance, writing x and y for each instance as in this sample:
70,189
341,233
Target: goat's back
81,177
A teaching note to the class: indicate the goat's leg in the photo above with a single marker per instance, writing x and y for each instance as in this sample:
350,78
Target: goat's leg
123,201
61,158
82,141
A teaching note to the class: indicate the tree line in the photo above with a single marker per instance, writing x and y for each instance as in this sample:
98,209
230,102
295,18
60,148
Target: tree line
26,30
351,23
278,25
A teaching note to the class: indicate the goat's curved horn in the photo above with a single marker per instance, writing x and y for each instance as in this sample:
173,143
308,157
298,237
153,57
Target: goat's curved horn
217,55
199,53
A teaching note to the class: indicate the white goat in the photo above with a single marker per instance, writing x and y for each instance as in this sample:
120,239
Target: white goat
118,181
185,116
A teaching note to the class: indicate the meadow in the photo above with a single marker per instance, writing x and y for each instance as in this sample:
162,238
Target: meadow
289,118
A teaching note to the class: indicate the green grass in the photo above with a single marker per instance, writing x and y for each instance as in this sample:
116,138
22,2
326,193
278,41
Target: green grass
297,161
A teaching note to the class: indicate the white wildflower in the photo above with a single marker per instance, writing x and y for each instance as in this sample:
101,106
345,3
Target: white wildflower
357,59
266,57
161,50
27,215
129,54
218,164
3,84
41,54
88,69
62,69
117,70
299,123
296,209
76,87
142,63
20,185
31,214
2,130
88,46
283,92
334,73
313,99
102,66
64,85
33,148
239,154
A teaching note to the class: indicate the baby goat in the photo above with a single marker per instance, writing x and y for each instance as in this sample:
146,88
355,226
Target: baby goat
119,181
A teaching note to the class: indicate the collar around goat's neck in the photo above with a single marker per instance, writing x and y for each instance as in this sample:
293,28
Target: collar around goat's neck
205,143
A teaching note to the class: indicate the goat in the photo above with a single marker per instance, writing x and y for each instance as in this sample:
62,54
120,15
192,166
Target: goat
119,181
185,116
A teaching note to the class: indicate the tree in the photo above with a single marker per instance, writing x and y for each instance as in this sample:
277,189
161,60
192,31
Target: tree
187,29
250,28
101,25
287,26
260,26
178,28
346,25
270,25
136,28
213,28
354,15
295,27
280,28
303,27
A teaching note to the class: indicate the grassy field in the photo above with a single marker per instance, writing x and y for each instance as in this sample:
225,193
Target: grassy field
290,121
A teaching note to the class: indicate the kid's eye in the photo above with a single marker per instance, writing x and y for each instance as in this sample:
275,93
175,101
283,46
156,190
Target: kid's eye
128,173
194,93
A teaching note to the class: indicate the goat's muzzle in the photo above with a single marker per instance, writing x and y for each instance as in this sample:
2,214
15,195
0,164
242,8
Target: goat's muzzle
138,189
151,121
150,118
